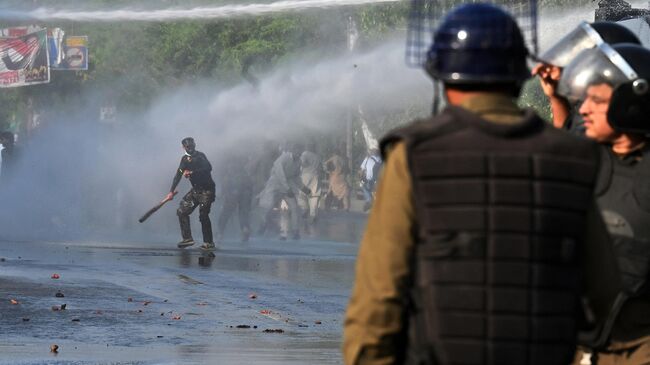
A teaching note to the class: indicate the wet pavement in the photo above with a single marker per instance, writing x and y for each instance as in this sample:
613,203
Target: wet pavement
261,302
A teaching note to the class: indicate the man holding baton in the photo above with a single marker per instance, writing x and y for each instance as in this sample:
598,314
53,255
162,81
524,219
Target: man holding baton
196,167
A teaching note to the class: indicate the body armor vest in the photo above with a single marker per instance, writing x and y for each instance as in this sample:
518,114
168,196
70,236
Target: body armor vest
500,219
623,193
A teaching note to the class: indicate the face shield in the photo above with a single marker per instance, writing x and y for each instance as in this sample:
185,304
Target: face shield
600,65
564,51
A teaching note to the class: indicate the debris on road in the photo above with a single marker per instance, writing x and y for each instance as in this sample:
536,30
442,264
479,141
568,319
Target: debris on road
129,300
14,301
318,322
59,295
243,326
54,349
252,296
188,280
25,319
276,330
56,276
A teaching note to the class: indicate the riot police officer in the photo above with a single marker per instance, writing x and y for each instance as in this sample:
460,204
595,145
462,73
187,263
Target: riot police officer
613,83
471,252
194,166
584,36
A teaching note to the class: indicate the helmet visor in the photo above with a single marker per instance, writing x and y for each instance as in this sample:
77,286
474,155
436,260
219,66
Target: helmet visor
600,65
563,52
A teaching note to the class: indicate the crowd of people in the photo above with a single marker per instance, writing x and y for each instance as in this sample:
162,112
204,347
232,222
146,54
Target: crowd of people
296,184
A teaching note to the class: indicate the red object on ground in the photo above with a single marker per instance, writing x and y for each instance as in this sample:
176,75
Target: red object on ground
55,276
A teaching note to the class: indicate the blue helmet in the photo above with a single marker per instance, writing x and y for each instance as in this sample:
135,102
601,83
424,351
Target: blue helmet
478,44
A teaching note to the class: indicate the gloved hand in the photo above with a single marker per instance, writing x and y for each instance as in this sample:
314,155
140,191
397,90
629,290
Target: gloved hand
306,190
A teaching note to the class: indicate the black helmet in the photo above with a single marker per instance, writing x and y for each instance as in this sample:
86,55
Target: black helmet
586,36
613,33
626,68
188,144
630,105
478,44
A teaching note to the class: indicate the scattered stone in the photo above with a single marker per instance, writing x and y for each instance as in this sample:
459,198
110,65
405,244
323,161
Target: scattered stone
162,314
14,302
318,322
276,330
165,301
56,276
243,326
25,319
54,349
254,326
59,295
139,310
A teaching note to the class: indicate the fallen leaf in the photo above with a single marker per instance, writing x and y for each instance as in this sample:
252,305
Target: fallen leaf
54,348
56,276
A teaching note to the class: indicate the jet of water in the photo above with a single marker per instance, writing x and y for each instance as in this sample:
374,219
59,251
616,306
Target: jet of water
226,11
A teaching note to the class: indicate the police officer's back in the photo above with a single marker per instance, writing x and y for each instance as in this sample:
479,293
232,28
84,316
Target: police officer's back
471,253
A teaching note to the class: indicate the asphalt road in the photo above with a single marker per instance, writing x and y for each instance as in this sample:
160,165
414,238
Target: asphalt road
131,303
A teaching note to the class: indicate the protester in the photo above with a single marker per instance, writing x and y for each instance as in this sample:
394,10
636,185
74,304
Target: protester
195,167
338,191
310,175
236,192
283,185
369,173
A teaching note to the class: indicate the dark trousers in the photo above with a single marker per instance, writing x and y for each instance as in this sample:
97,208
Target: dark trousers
196,198
239,199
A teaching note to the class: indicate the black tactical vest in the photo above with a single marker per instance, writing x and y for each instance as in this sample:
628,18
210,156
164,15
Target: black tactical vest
623,193
500,218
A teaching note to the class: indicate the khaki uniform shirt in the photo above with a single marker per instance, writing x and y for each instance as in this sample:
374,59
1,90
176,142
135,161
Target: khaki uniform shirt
375,318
